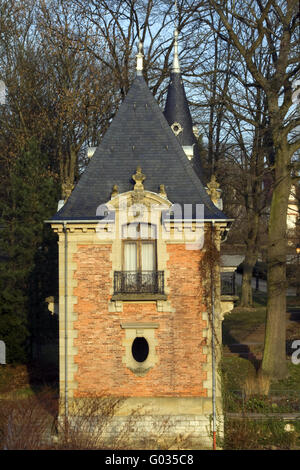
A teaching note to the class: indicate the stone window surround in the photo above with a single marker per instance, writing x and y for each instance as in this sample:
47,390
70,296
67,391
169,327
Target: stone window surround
134,330
116,301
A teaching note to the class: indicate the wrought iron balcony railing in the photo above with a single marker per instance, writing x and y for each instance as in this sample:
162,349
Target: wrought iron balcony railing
228,283
139,282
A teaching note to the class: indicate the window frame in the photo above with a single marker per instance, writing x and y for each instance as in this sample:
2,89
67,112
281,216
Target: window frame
139,242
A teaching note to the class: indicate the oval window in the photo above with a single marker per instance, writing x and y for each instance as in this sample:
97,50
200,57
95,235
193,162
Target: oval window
140,349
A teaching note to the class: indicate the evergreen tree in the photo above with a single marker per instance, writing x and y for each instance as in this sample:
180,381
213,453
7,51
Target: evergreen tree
30,197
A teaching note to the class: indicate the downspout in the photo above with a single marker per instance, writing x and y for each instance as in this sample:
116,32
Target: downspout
66,324
213,347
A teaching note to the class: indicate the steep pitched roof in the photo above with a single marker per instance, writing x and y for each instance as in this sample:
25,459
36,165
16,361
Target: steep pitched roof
138,135
177,111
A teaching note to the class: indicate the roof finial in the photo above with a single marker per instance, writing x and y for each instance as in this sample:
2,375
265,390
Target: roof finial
139,58
213,190
139,178
176,65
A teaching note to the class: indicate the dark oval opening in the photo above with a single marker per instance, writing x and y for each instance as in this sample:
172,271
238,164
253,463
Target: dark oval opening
140,349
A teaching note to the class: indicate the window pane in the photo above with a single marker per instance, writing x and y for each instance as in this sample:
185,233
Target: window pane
130,231
140,349
148,231
130,257
148,260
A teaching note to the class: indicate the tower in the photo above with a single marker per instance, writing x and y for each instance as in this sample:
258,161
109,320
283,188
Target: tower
133,315
178,115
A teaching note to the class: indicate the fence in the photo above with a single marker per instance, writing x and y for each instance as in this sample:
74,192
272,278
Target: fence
277,403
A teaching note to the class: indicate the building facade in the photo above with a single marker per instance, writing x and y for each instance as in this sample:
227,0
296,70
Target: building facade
139,310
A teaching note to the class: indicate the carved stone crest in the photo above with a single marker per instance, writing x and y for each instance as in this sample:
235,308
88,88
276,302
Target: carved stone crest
139,178
138,190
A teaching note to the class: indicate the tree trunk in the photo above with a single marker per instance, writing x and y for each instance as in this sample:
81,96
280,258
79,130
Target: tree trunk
248,265
249,262
274,358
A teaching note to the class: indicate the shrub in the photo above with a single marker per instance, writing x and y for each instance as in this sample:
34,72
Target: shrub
246,434
26,424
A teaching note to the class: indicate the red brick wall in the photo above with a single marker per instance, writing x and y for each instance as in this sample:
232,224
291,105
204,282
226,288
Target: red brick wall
179,371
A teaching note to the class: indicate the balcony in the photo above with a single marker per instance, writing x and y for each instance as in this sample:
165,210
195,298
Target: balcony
228,283
139,285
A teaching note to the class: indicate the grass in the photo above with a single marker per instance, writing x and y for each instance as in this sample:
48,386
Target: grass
23,392
238,373
293,301
291,383
12,378
267,434
237,326
20,384
23,381
260,299
240,322
235,371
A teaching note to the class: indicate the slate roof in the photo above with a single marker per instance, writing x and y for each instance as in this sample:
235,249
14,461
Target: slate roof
138,135
177,110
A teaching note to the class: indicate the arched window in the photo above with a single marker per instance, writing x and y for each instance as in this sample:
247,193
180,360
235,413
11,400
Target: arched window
139,247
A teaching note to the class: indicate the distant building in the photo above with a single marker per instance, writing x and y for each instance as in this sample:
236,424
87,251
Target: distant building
293,209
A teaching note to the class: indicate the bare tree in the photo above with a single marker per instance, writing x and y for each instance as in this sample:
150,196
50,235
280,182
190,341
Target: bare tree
57,93
81,97
273,25
118,26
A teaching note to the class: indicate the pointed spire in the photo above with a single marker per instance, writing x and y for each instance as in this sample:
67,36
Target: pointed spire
139,59
177,111
176,65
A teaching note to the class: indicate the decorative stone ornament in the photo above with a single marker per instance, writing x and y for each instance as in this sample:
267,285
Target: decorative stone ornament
176,65
139,178
138,190
115,190
67,188
213,190
139,59
162,191
176,128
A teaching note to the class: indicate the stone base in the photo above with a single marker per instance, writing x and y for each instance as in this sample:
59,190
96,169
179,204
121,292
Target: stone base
161,432
141,432
146,423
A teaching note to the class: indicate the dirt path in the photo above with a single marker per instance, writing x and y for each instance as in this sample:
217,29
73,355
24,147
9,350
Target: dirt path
251,347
